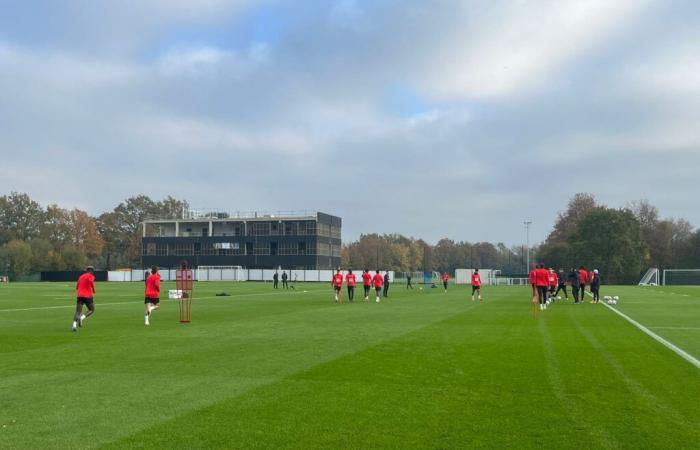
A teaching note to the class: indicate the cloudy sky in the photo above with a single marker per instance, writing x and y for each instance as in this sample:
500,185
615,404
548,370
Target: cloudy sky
428,118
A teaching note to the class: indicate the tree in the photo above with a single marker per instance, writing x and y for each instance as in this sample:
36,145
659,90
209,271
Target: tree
567,222
16,258
611,241
84,235
20,217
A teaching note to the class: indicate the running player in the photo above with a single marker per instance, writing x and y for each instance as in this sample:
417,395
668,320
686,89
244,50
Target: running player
366,283
337,285
445,281
85,292
378,282
152,295
542,284
476,285
351,282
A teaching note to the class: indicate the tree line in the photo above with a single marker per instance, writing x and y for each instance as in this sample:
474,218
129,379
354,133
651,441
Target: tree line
620,242
35,238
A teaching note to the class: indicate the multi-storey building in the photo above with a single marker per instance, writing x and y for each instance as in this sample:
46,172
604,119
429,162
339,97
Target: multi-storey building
297,240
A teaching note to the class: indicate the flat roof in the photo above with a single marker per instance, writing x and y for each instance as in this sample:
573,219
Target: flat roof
193,216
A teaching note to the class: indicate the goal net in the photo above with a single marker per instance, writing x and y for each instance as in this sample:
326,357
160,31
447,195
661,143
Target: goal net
688,277
651,278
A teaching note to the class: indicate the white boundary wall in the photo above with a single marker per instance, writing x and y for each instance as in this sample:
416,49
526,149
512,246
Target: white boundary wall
464,276
235,274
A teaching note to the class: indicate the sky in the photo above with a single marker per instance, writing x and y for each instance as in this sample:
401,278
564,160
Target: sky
432,119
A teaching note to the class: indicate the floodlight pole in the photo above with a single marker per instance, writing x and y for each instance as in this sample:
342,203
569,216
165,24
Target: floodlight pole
527,224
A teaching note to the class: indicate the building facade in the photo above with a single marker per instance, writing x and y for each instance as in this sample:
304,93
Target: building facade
251,240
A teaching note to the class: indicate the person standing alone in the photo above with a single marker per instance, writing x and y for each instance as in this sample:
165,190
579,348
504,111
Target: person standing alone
595,286
476,285
445,281
386,283
285,285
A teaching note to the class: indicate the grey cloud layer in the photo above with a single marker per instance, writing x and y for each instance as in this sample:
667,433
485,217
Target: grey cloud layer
524,106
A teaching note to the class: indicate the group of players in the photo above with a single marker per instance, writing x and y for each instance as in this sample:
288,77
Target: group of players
381,284
546,284
85,289
378,282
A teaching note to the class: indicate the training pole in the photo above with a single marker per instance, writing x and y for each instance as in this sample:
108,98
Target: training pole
184,282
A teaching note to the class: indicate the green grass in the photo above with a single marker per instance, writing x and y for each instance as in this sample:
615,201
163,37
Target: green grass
278,369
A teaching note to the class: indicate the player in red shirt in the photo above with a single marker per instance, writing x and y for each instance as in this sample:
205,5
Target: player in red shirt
351,282
476,285
542,284
366,283
85,293
337,283
445,280
583,279
378,282
152,295
531,279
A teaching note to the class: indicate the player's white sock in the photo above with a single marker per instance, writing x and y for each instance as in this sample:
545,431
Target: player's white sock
541,307
83,317
472,298
146,320
75,324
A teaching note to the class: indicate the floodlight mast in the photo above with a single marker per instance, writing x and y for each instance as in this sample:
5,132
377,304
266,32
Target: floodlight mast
527,224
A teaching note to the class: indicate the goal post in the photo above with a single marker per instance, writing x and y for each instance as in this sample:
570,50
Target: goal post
687,277
650,278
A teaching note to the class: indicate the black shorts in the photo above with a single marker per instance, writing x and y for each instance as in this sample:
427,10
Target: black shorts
85,301
552,289
337,288
153,301
476,288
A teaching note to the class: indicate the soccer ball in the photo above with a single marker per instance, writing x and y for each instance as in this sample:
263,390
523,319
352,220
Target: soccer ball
559,297
616,298
421,288
377,300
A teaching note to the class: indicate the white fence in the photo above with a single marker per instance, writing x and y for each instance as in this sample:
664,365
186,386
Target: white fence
464,276
238,274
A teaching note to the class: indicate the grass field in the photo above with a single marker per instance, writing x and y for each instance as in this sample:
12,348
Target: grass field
291,369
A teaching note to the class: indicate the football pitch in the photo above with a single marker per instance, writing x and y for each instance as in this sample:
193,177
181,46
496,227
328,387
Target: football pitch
267,368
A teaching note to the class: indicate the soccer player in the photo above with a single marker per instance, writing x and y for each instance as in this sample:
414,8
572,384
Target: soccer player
408,281
337,285
275,280
562,284
575,284
85,293
476,285
366,283
152,296
351,282
553,282
386,283
445,281
583,280
595,286
542,284
531,279
378,281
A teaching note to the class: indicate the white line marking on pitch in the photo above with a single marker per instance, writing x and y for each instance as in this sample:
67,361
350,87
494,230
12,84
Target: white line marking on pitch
679,351
675,328
136,302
